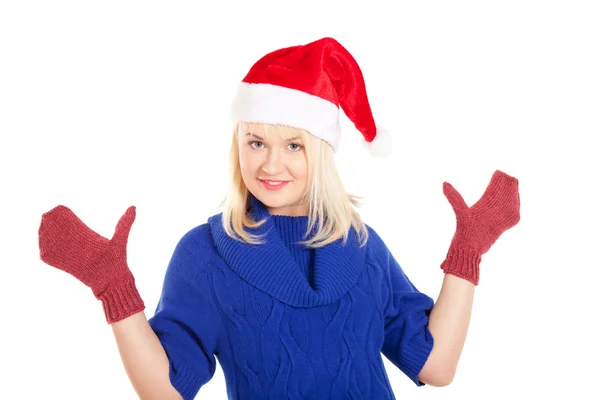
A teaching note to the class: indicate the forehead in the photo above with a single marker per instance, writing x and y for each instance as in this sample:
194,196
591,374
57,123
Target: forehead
271,132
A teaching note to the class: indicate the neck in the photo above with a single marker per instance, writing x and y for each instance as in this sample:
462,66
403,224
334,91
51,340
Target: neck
290,211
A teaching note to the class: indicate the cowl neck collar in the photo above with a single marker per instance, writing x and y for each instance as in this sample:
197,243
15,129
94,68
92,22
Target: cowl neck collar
271,268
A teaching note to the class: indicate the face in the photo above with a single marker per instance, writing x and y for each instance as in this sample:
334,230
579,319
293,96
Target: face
280,160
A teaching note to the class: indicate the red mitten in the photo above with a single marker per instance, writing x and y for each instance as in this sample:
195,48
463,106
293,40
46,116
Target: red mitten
479,226
68,244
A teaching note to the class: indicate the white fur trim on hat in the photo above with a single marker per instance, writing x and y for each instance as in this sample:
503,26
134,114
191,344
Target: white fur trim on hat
381,146
271,104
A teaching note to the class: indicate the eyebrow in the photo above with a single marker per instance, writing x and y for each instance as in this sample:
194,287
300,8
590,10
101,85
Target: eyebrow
260,138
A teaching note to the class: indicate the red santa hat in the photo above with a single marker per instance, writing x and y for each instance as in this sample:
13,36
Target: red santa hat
304,87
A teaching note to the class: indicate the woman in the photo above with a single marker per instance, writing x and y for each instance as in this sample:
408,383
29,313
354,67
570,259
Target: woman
287,287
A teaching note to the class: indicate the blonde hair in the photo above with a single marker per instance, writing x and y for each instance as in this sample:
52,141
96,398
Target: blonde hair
330,208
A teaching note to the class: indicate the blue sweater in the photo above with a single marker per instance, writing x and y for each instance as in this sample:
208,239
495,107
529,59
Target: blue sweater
285,321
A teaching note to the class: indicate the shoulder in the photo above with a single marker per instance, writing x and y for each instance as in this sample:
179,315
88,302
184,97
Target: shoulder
200,238
374,237
376,247
194,250
197,239
378,255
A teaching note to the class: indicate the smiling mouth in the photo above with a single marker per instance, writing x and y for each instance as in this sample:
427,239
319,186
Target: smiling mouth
272,182
273,185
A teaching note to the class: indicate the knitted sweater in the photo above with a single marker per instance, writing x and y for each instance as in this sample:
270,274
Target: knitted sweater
285,321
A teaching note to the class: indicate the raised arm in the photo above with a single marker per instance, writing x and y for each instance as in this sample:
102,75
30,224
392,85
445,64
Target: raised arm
144,358
477,229
66,243
448,324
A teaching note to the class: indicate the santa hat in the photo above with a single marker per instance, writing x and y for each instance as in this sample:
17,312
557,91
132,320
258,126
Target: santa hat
304,87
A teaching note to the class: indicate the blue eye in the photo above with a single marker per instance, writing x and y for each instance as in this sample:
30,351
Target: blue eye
298,146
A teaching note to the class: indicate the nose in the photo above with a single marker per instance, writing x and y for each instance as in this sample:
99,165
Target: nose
273,163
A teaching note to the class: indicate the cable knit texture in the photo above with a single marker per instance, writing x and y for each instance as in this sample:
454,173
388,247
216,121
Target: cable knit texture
66,243
288,322
479,226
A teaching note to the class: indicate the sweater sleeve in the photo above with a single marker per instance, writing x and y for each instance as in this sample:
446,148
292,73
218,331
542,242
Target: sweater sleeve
408,341
186,320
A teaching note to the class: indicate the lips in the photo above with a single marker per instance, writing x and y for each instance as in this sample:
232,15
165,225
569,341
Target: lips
272,181
273,185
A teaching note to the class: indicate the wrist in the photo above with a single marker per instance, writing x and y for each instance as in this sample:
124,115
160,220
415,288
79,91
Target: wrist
121,300
462,262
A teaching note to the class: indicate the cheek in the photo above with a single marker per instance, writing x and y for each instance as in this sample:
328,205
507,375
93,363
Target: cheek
246,161
299,169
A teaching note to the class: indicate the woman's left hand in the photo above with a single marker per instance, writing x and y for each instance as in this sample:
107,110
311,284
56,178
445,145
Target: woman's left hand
479,226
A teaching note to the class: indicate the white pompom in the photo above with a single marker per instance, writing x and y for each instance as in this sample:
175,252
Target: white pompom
382,145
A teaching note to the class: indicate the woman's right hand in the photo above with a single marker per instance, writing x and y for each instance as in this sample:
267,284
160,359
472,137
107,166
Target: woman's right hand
68,244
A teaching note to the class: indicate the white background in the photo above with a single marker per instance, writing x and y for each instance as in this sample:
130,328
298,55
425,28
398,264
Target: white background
109,104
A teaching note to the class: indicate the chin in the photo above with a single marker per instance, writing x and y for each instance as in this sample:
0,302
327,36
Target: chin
273,199
276,199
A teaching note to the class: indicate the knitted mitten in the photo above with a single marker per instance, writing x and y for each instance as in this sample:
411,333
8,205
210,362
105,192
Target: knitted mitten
479,226
68,244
